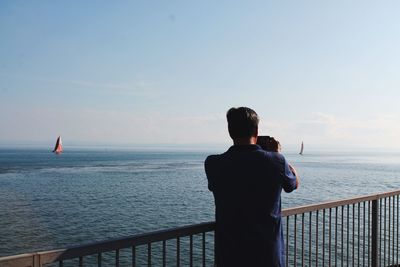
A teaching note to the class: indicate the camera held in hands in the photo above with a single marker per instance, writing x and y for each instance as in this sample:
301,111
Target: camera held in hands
269,143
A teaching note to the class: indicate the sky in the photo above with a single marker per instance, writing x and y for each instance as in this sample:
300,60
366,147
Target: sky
165,72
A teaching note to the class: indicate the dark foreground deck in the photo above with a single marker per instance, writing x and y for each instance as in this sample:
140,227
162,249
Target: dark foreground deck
360,231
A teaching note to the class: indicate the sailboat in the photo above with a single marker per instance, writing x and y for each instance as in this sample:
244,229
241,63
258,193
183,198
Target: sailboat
301,148
58,148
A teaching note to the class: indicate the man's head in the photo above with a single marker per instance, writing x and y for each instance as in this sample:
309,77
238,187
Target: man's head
242,123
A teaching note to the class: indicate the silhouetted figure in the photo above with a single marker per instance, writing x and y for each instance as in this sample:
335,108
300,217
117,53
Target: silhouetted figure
247,182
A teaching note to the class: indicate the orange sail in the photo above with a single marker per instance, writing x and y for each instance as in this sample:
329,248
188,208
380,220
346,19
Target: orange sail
58,148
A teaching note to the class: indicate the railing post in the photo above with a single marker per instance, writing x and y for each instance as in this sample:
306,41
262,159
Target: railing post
374,234
215,248
36,260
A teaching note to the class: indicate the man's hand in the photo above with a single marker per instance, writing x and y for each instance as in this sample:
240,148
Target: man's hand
295,174
269,143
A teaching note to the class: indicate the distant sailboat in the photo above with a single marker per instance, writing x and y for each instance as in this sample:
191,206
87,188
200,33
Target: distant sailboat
58,148
302,148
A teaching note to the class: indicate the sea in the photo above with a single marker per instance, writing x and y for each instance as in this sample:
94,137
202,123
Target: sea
50,201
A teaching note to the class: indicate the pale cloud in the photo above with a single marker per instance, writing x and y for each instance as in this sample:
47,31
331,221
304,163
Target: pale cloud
119,127
138,88
106,126
323,129
383,127
133,88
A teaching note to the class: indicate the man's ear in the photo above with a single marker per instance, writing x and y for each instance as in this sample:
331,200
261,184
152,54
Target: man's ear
256,135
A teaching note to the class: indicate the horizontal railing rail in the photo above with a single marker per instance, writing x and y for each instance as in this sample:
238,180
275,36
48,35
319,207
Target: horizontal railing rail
96,248
133,241
362,231
337,203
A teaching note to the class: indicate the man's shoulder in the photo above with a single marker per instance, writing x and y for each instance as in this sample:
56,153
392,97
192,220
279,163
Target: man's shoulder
270,156
275,156
256,154
214,158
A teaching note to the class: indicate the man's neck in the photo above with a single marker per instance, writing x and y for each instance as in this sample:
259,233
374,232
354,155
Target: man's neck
245,141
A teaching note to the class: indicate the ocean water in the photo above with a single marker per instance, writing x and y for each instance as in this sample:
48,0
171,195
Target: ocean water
49,201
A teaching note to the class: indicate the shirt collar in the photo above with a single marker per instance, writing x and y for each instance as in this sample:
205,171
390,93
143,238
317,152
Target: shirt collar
244,147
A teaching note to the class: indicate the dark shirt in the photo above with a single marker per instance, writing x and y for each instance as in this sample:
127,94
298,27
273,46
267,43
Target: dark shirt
247,182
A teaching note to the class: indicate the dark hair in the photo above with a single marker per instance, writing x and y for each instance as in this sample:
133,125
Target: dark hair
242,122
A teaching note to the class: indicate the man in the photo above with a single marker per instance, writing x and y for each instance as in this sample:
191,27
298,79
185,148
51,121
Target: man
247,182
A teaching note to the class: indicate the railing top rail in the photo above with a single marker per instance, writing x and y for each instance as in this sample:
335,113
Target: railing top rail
337,203
111,245
18,260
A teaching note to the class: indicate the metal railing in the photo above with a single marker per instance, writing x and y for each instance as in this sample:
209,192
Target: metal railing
361,231
160,248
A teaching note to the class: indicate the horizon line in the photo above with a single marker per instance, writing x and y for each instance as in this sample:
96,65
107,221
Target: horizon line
186,146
